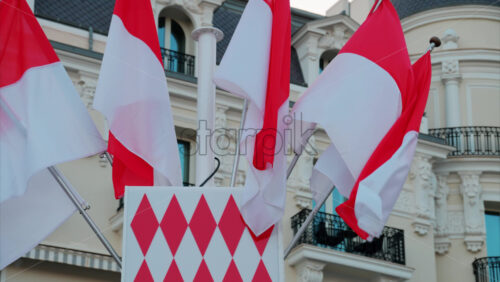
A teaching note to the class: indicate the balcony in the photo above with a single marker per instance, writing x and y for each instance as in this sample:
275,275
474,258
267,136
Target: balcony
330,231
177,62
471,140
487,269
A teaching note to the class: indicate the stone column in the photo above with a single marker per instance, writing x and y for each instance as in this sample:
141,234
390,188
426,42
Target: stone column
451,80
207,38
473,210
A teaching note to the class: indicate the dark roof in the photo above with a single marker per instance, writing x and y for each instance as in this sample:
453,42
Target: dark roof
407,8
78,13
97,14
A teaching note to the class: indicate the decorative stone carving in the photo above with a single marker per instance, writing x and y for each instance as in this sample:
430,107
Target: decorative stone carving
221,145
424,183
441,204
473,210
441,239
310,271
450,67
192,6
456,223
450,39
404,202
334,39
441,245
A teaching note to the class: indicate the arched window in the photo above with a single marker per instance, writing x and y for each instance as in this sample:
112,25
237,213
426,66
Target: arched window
326,58
161,31
177,38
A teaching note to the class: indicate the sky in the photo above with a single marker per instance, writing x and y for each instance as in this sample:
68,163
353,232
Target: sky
314,6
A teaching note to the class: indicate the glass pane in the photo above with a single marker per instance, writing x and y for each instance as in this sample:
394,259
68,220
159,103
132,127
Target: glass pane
161,31
184,156
492,233
337,199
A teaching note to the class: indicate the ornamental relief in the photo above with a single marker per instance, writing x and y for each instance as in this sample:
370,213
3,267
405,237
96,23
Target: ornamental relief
424,182
456,223
441,204
334,38
473,204
450,67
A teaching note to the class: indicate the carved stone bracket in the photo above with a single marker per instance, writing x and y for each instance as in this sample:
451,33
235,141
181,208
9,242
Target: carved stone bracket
310,271
442,245
471,191
441,239
424,182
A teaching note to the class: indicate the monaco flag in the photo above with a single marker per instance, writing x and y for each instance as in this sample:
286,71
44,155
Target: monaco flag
256,66
132,93
42,123
370,104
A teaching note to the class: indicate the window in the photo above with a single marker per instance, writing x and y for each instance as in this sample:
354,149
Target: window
177,38
326,58
492,220
161,31
184,148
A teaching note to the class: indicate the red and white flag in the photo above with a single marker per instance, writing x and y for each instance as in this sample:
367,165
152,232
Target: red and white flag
132,93
256,66
370,106
43,122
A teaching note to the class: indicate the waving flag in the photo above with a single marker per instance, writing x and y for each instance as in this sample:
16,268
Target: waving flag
256,66
381,180
363,95
132,93
43,122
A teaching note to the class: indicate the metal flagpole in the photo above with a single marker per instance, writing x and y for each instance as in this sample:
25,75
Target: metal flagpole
236,162
434,42
73,197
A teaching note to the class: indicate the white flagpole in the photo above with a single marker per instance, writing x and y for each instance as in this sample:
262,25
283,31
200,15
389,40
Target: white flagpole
236,162
434,42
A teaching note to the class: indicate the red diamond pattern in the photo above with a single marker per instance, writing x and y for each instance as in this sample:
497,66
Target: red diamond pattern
174,225
144,275
262,240
232,274
203,274
261,274
202,225
144,224
173,273
231,225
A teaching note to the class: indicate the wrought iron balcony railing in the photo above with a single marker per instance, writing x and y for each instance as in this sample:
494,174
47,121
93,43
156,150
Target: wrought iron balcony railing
487,269
330,231
471,140
178,62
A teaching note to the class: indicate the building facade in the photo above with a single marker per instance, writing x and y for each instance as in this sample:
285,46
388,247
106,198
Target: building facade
446,223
